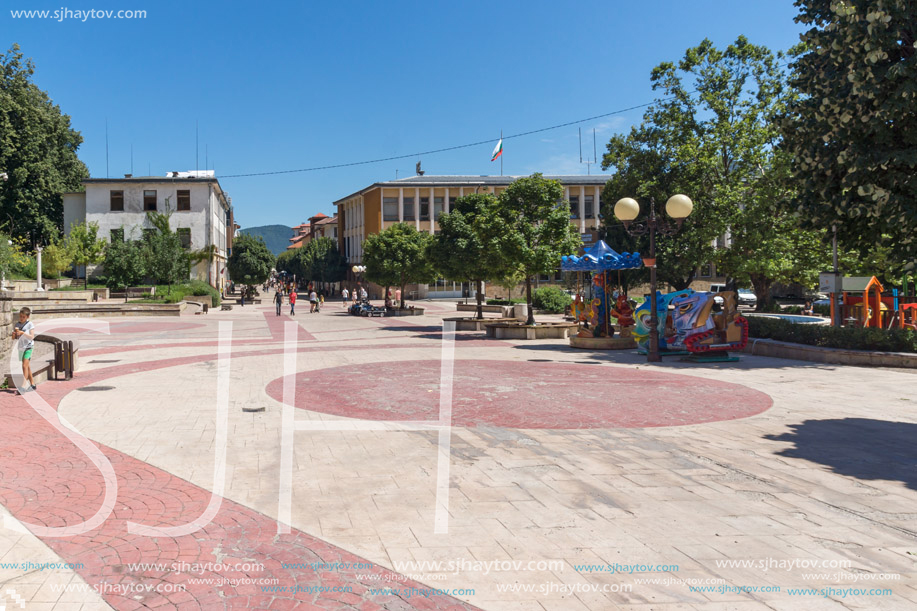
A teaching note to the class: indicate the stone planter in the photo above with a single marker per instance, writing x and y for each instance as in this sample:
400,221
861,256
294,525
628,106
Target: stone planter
602,343
57,283
516,330
405,312
208,299
521,312
475,324
504,311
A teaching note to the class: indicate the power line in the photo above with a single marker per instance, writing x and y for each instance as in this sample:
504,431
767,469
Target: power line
443,150
471,144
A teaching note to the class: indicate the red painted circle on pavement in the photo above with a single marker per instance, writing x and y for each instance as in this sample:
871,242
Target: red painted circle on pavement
134,327
523,395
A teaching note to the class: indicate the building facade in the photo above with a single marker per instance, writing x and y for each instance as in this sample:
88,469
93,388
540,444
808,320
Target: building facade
318,226
422,199
201,213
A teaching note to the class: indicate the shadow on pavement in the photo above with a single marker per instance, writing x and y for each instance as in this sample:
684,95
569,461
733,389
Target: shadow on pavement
859,447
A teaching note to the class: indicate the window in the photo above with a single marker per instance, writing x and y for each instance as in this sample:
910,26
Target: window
425,208
117,201
184,234
590,213
706,271
409,208
389,208
543,278
558,276
184,200
452,203
148,233
117,235
149,200
574,207
437,208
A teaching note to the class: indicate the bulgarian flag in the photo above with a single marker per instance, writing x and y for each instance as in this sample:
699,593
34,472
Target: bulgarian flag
498,150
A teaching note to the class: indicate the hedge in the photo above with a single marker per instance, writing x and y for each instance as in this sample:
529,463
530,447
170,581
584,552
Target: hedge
550,299
826,336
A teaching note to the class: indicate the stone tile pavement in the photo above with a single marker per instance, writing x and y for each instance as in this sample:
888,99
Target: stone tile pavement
795,490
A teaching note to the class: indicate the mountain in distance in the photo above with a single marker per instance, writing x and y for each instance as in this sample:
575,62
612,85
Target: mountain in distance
276,237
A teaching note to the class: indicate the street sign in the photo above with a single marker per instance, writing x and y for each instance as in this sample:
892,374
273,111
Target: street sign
827,282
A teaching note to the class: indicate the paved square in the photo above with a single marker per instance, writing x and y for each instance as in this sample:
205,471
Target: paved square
578,480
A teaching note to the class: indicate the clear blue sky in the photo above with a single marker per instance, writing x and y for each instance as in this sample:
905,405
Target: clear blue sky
287,85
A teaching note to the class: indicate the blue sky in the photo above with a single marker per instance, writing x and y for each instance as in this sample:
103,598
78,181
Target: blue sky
290,85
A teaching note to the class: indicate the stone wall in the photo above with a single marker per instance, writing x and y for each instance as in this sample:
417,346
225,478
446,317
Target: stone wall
6,326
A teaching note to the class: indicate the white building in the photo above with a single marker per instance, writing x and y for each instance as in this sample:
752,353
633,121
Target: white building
201,213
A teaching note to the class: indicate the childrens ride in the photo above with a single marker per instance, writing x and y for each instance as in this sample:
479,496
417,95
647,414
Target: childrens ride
696,322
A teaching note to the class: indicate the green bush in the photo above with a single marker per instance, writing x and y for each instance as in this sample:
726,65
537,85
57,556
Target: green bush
180,291
822,310
825,336
504,301
550,299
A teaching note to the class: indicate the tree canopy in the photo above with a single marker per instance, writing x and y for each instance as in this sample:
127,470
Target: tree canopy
463,250
250,262
714,141
84,244
38,152
397,256
532,229
853,129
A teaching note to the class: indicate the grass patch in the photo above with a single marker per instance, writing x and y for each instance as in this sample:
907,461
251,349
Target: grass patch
179,292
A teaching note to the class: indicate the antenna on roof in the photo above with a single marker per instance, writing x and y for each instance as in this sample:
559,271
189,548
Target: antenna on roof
197,156
587,162
132,158
107,175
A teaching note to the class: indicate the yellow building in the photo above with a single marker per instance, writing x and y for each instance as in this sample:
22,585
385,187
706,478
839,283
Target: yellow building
422,199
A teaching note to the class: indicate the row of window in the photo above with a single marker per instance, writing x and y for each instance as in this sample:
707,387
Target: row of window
390,208
184,234
588,206
183,201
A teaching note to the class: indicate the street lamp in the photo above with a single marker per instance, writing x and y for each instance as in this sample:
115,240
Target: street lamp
627,209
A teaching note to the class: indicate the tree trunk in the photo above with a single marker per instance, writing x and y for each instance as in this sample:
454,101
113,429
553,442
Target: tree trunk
479,286
762,286
401,304
528,301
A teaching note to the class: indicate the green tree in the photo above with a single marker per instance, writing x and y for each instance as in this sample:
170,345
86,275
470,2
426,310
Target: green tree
709,143
462,251
853,129
85,245
286,261
56,257
323,262
167,261
37,150
250,262
532,229
397,256
124,264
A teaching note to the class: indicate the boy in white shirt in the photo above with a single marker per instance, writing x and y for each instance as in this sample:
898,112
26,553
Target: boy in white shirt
24,332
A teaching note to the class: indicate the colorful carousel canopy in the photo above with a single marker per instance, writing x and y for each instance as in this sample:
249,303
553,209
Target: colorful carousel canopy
600,258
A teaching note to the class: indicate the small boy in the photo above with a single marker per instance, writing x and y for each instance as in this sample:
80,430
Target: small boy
23,332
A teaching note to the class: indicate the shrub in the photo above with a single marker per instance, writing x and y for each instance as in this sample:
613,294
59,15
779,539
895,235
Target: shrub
550,299
504,301
822,310
852,338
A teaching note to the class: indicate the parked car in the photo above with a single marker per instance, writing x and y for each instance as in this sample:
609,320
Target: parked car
746,297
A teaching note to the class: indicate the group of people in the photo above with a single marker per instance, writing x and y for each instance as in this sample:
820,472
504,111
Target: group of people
349,298
316,300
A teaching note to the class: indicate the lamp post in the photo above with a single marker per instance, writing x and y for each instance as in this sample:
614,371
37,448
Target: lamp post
627,209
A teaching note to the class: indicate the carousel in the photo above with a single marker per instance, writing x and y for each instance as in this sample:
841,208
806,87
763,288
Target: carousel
596,331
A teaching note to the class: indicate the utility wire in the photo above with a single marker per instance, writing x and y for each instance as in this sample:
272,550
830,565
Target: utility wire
443,150
469,145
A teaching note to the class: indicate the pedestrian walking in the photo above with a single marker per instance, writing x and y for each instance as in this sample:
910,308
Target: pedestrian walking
278,300
293,301
321,301
363,295
313,301
25,335
344,295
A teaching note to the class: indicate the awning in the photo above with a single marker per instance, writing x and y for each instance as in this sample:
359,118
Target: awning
600,257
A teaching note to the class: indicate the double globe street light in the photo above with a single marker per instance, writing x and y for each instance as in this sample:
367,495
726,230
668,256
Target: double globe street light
627,210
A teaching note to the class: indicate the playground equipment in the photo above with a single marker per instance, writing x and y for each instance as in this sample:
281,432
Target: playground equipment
594,316
696,323
862,303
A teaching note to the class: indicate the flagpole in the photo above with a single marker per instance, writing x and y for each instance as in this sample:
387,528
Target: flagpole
501,153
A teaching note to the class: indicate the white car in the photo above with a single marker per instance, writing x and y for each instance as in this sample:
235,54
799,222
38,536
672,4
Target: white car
746,297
